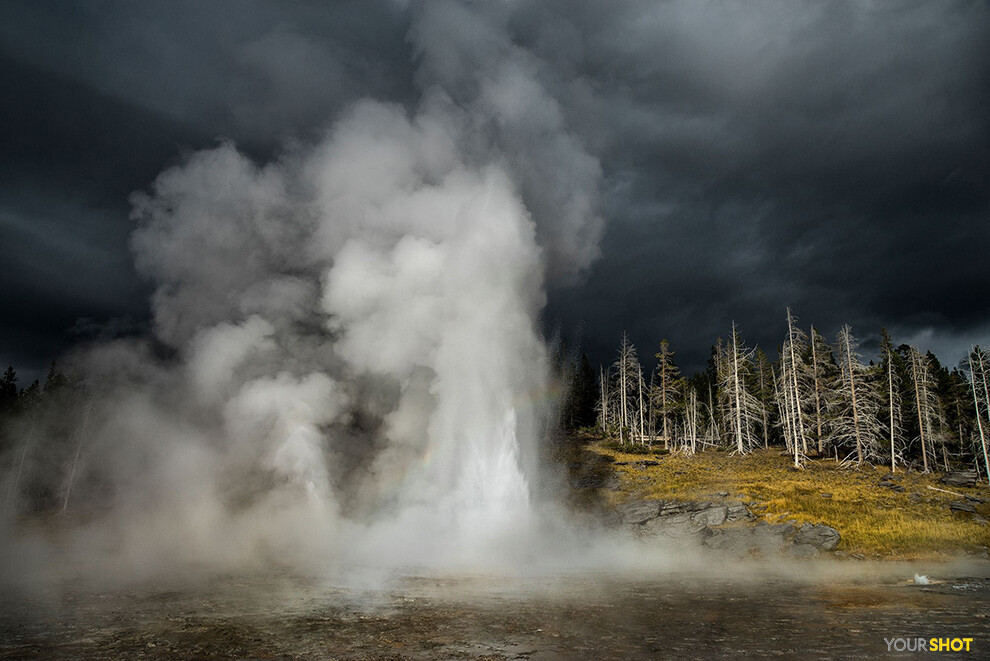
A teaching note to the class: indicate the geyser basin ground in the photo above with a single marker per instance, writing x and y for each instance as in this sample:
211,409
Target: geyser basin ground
823,614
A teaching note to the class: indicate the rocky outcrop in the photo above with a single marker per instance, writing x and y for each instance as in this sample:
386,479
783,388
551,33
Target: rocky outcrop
705,521
678,519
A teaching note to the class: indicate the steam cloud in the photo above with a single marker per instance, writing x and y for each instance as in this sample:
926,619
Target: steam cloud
347,361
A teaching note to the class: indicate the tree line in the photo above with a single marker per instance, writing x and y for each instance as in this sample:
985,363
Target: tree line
815,399
42,430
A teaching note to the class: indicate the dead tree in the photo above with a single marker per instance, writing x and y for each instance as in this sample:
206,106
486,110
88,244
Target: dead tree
857,418
892,382
822,375
691,420
925,401
742,406
639,378
978,365
603,402
793,371
626,365
762,367
666,393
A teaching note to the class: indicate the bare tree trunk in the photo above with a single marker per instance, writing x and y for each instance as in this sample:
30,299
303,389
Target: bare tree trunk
797,393
986,406
652,427
763,409
921,415
945,453
852,392
622,394
603,396
75,460
795,446
979,420
785,412
642,438
711,414
12,491
818,398
735,378
663,402
890,398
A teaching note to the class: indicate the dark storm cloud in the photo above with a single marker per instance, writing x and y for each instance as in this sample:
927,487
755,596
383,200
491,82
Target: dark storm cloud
255,71
830,156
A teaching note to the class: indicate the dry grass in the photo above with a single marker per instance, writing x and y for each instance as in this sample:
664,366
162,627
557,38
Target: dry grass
872,519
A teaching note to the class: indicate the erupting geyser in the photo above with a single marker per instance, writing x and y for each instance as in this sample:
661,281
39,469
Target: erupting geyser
353,367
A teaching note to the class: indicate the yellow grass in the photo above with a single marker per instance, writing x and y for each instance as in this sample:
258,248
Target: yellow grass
872,520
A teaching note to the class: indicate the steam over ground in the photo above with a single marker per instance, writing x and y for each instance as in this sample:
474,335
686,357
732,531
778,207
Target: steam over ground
346,364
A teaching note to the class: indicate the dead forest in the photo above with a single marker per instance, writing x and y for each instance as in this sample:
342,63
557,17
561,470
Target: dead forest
814,399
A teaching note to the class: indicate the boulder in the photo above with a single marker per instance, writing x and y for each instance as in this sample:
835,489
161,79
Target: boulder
959,478
962,506
822,537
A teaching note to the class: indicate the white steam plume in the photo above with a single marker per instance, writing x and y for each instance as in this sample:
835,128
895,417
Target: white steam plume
355,368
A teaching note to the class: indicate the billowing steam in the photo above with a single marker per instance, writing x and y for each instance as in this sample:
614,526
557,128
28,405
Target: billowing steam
347,361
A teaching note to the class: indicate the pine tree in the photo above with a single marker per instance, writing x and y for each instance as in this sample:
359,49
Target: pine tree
8,390
55,380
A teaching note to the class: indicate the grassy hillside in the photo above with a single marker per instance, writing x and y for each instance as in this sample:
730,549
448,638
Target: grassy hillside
873,519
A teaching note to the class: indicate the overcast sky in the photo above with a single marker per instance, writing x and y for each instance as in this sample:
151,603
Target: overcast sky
829,156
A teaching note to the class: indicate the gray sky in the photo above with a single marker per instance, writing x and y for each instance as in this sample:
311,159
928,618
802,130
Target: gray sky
830,156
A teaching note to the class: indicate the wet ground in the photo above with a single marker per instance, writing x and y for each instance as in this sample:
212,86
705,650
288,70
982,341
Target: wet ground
360,615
